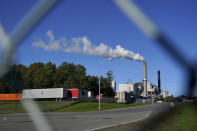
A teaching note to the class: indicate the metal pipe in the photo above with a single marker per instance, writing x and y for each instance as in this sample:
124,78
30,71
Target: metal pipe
159,82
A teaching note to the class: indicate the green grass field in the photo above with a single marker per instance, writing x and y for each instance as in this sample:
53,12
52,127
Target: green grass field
7,107
93,106
184,118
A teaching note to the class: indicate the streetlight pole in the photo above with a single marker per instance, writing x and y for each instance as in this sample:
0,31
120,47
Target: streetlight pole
109,59
99,88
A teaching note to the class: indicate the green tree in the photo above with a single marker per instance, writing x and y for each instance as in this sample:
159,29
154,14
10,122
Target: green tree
106,88
39,75
47,74
81,77
34,76
92,84
69,75
11,82
21,69
61,76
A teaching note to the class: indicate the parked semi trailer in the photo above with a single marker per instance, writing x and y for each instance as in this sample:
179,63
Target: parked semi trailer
77,93
50,93
10,97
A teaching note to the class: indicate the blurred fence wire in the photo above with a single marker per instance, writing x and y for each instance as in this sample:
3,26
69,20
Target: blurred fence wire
8,45
151,30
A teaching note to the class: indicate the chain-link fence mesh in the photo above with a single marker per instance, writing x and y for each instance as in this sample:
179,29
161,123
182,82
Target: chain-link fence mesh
9,43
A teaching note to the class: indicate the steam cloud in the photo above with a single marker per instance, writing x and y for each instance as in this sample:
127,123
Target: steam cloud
85,46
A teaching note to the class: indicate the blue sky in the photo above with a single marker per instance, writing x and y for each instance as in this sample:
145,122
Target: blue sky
102,22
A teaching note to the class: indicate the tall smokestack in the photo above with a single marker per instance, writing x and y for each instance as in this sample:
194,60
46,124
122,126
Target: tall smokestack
145,78
159,82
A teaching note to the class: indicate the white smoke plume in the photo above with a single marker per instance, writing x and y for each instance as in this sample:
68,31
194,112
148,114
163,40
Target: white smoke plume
85,46
52,44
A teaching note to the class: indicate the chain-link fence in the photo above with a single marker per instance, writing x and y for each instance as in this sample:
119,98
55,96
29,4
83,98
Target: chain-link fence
9,43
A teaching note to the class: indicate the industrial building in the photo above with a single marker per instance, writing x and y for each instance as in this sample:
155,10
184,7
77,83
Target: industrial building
135,92
165,94
137,89
123,97
142,90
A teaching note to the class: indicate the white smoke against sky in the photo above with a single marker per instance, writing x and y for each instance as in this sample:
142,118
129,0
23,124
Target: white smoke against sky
53,45
84,46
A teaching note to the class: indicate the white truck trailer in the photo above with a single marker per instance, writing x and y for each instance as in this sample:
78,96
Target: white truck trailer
50,93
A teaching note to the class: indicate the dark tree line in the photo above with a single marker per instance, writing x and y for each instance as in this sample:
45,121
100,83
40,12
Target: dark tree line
40,75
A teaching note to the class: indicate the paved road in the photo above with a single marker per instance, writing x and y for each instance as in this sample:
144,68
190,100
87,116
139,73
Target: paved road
81,121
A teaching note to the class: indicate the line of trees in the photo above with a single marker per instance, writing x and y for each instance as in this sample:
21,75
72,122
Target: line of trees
40,75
